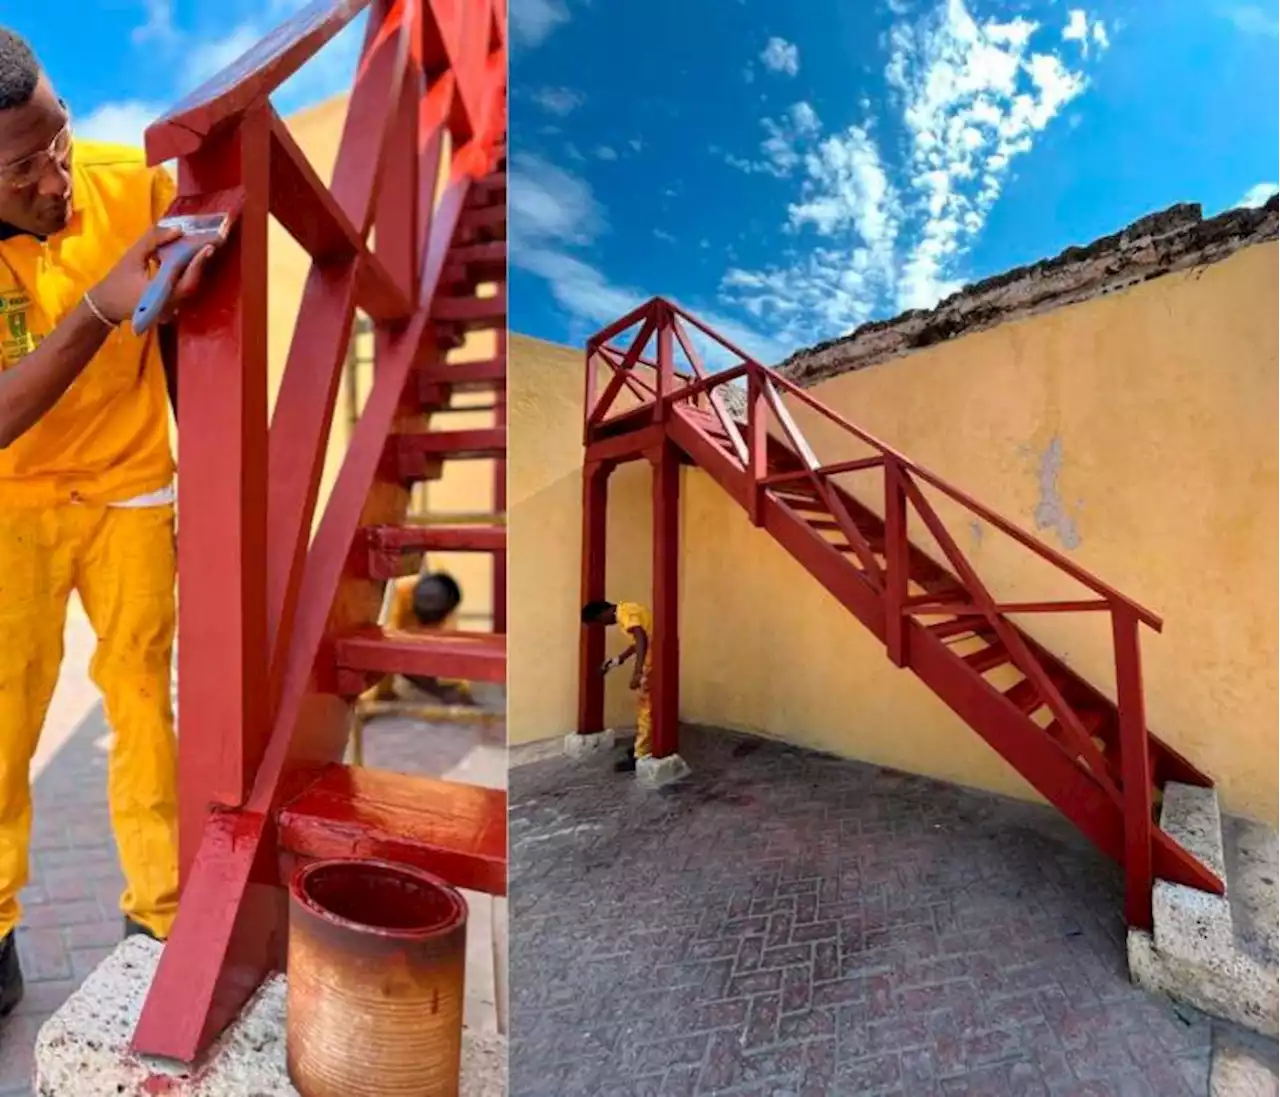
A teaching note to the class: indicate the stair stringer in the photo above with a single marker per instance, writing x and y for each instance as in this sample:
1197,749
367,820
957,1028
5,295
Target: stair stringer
1015,737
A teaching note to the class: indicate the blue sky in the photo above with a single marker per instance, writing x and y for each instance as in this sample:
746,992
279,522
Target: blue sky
121,63
790,170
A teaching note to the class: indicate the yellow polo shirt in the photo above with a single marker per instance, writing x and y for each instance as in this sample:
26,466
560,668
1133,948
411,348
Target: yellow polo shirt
107,439
633,615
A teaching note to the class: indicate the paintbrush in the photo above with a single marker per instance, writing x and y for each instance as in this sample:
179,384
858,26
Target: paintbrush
198,232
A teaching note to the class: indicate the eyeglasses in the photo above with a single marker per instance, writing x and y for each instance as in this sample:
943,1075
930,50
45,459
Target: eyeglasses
21,174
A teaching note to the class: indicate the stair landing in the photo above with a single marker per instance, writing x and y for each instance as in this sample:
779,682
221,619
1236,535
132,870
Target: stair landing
1217,953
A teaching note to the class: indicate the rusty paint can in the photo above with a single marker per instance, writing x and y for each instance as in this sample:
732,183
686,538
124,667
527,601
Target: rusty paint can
377,963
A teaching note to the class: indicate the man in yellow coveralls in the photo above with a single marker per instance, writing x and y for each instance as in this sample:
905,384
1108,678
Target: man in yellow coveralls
86,481
424,603
636,621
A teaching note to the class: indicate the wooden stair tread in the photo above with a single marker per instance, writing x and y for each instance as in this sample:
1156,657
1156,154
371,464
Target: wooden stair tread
455,831
471,656
465,375
945,629
437,538
477,444
485,222
471,311
987,658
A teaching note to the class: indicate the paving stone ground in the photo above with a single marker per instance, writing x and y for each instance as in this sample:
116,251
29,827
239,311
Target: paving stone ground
784,923
72,918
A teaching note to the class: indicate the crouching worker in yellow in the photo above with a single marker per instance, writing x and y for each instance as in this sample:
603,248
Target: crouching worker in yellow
85,481
424,603
636,621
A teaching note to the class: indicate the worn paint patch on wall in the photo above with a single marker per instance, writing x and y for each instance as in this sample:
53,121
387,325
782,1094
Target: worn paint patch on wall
1051,514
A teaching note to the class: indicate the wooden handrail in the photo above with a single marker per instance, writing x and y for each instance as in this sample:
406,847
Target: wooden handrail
248,80
969,503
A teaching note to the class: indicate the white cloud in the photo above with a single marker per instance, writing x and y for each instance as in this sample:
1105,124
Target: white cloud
195,55
877,235
1080,29
561,101
123,122
974,97
780,146
533,20
159,25
549,205
1251,19
210,56
554,213
606,152
1257,195
779,55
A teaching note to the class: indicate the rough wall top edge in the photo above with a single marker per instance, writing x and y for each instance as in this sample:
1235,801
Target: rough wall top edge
1160,243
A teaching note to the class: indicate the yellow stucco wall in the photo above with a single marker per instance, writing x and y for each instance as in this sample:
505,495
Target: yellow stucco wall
1140,426
466,487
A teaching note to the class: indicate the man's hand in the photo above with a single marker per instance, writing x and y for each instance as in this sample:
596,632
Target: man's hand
610,664
638,680
118,294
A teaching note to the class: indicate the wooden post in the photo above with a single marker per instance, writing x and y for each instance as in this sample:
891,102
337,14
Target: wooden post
595,512
222,448
896,560
665,686
666,360
1135,769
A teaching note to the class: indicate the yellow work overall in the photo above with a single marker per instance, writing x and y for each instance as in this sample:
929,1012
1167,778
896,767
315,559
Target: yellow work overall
85,505
633,615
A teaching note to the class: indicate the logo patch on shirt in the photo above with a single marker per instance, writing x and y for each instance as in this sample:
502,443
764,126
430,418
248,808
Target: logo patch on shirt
16,338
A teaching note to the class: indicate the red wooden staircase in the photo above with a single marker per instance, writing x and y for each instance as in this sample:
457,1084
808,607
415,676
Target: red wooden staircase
279,614
1089,754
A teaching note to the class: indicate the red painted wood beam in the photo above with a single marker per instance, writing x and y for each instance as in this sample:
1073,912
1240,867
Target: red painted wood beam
476,263
595,507
248,81
312,217
303,415
456,831
485,223
436,538
418,454
473,656
472,313
216,955
665,687
625,447
222,448
464,376
396,551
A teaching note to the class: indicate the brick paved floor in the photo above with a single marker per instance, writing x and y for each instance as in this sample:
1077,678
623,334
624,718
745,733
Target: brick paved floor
789,924
72,919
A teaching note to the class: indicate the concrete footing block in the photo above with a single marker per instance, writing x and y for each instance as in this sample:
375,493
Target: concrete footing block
584,746
656,772
1197,952
83,1049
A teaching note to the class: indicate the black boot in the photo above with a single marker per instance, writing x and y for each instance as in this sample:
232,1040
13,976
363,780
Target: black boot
11,987
626,764
133,929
